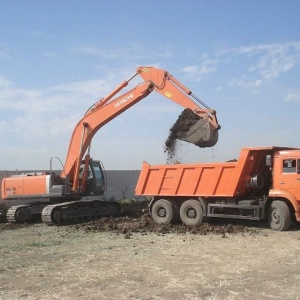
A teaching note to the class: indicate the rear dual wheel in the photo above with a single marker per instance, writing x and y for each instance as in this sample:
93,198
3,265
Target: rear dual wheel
164,212
191,212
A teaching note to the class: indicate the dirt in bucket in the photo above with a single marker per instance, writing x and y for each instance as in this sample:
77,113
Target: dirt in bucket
185,121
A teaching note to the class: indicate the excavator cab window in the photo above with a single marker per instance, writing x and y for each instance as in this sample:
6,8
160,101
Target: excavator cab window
96,180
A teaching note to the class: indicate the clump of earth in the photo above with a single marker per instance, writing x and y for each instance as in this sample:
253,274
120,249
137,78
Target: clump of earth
144,224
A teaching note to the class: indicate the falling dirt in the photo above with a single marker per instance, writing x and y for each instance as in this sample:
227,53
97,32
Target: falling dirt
184,122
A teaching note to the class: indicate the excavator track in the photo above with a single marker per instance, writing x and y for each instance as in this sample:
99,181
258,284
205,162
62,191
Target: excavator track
78,211
24,213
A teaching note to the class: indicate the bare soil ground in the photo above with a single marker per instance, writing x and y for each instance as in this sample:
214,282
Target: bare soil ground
132,258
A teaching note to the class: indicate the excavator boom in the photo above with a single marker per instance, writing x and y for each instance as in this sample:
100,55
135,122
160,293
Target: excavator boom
203,133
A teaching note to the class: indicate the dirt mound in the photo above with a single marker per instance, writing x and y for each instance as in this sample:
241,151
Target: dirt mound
145,224
135,219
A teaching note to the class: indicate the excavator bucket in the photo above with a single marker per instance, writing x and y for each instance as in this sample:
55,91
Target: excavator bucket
202,134
191,128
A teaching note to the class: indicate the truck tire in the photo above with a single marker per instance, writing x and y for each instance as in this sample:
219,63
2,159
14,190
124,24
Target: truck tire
163,212
279,215
191,212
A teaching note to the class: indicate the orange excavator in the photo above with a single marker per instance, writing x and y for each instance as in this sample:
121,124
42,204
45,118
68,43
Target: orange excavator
81,175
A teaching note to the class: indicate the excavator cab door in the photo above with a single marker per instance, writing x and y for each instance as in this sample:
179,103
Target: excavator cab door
96,181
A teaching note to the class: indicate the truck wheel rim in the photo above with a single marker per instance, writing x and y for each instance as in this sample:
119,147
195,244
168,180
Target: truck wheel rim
275,216
191,213
162,212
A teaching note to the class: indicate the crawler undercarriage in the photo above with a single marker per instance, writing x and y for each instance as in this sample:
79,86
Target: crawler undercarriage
62,213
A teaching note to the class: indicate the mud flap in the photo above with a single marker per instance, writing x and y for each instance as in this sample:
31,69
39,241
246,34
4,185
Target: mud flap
202,134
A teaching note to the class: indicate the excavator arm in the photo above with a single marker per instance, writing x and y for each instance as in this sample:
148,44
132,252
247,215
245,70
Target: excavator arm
109,107
169,87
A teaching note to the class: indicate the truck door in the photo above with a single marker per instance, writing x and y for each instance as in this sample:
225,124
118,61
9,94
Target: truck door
289,176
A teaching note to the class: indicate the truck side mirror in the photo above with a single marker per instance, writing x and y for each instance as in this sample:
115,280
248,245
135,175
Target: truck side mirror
298,166
269,161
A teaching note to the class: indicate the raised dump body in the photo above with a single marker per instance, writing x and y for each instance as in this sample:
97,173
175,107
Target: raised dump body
226,179
263,183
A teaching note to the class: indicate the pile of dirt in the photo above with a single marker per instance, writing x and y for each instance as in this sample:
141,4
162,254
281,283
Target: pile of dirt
136,219
144,224
185,121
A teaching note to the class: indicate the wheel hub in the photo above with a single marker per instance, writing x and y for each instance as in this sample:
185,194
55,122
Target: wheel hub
191,213
162,212
275,216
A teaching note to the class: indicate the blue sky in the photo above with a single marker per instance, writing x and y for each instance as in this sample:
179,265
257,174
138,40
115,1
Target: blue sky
59,57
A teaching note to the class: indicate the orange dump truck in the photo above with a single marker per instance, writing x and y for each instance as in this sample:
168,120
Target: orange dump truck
264,183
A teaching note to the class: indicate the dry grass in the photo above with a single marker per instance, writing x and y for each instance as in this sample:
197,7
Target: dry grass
40,262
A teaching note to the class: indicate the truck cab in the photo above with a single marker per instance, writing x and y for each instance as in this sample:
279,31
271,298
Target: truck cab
286,173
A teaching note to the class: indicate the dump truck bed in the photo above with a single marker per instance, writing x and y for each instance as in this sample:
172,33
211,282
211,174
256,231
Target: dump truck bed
226,179
183,180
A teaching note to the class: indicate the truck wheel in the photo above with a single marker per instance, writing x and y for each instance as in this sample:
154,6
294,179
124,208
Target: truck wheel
163,212
191,212
279,216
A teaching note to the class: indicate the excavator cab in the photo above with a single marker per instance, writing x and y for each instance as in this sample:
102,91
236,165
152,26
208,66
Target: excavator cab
96,179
